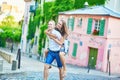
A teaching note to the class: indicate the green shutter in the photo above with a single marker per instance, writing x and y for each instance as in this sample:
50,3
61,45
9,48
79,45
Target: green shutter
90,20
72,25
74,50
102,26
68,21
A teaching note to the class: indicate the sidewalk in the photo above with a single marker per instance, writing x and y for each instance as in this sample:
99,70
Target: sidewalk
30,64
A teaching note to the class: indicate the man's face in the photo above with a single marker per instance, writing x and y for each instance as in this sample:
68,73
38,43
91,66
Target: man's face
49,25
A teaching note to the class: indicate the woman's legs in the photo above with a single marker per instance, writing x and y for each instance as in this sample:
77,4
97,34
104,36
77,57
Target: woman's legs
62,58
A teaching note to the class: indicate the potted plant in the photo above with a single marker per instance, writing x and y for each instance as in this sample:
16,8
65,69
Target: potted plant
95,32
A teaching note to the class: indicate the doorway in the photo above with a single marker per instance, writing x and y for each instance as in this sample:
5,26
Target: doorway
93,52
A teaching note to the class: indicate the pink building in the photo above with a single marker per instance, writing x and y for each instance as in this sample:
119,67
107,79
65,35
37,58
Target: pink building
94,38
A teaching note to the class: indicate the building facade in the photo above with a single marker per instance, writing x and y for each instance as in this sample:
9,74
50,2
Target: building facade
94,38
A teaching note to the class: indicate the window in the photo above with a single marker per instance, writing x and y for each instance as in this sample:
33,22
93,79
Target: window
75,46
97,25
70,23
97,28
79,22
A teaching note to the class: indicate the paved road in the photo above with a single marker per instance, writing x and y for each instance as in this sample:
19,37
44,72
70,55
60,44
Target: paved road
32,69
53,76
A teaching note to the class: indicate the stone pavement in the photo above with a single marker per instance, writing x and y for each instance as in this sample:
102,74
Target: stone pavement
32,69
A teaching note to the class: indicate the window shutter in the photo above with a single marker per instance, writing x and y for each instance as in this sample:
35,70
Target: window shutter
74,50
68,22
102,25
72,24
90,20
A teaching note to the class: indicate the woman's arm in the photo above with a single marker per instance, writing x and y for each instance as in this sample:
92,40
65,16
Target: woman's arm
48,32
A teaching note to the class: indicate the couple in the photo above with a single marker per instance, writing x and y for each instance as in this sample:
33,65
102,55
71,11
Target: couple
57,48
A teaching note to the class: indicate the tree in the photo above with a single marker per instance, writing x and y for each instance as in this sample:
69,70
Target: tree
11,30
59,6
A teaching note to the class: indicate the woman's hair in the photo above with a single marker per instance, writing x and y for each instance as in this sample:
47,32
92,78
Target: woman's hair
64,29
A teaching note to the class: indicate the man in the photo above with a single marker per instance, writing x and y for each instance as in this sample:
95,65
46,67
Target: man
53,52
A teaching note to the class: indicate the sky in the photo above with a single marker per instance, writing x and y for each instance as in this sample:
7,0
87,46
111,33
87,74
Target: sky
13,2
19,3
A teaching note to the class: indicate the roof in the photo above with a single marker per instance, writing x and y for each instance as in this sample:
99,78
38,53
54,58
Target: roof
96,10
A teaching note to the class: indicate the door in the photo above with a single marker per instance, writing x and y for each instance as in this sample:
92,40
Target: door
92,57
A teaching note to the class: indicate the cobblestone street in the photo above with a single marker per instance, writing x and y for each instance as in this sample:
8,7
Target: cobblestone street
32,69
52,76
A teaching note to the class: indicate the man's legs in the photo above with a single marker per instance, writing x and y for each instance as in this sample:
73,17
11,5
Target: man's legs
49,60
46,71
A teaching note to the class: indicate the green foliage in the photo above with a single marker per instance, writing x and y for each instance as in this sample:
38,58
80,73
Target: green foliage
11,31
9,21
2,38
31,29
42,37
59,6
33,22
79,4
47,11
96,2
12,34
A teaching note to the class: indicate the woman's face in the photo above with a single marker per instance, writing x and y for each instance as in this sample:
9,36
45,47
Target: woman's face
59,25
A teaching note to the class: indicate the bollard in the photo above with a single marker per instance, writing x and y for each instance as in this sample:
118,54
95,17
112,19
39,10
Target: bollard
14,65
1,65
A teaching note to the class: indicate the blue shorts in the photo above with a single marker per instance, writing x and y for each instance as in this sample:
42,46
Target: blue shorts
53,55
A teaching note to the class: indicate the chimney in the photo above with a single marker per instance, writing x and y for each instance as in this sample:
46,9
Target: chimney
86,4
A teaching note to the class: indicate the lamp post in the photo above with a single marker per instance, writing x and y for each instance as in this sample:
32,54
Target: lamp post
108,60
